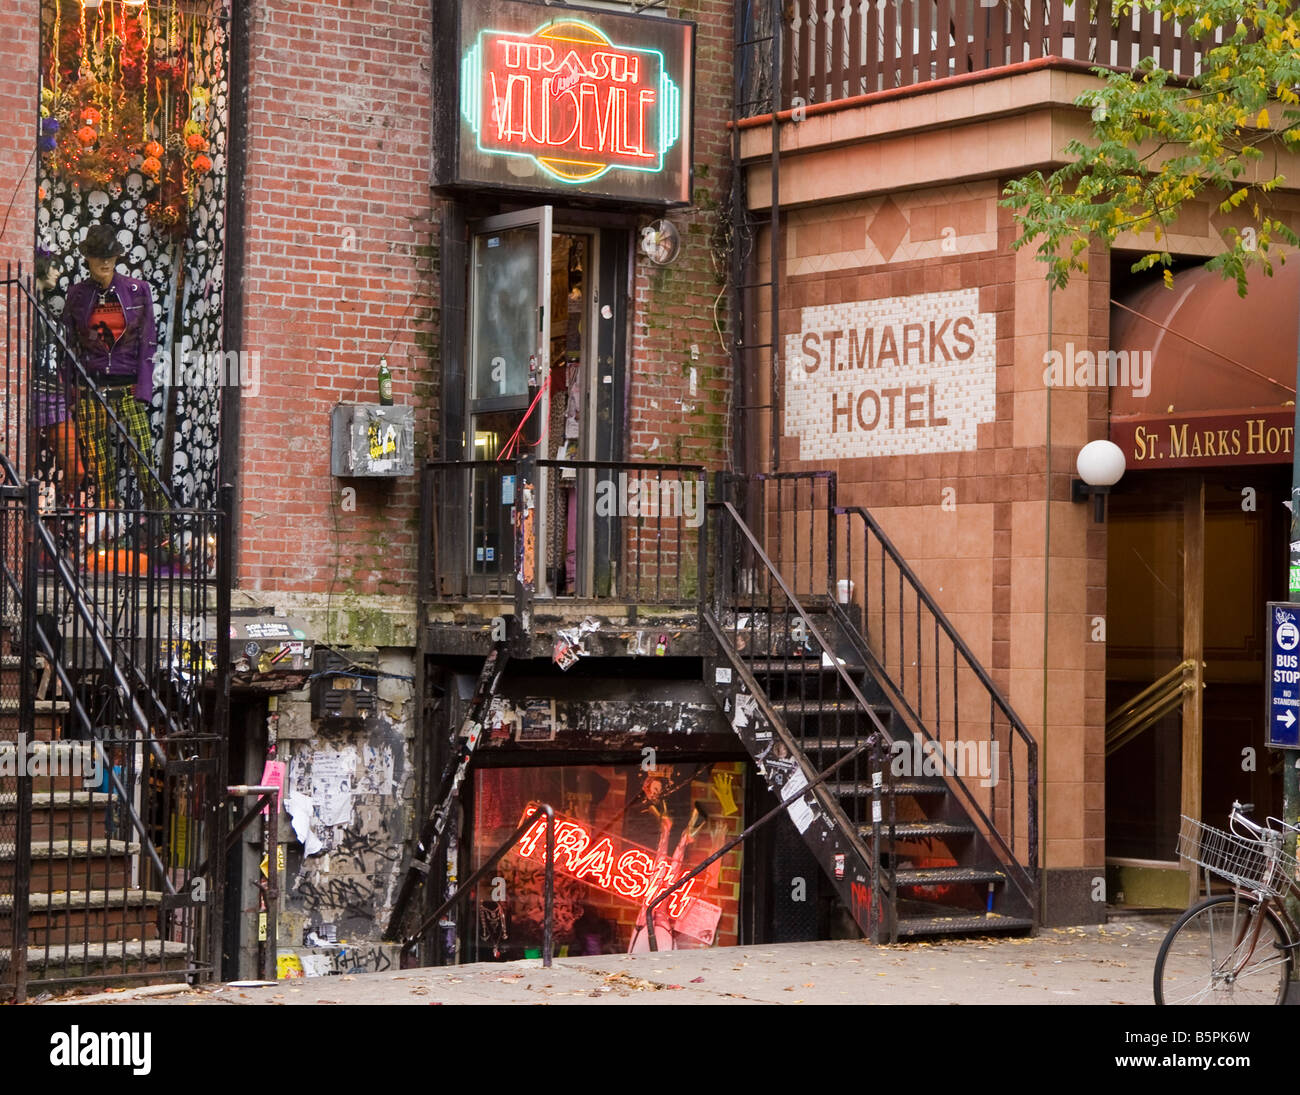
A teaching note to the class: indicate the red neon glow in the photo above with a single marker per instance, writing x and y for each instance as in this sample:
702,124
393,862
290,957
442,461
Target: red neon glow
570,99
634,874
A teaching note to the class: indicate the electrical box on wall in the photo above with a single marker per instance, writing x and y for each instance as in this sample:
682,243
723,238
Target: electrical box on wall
372,441
342,691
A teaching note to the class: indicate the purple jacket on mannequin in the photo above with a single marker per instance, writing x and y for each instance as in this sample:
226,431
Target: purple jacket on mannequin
132,355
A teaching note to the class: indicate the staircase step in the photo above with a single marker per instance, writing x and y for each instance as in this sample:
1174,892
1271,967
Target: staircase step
808,707
11,705
103,953
942,876
800,666
830,744
59,800
923,830
75,849
862,788
79,900
959,924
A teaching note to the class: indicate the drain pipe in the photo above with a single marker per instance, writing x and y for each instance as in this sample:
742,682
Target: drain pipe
1047,581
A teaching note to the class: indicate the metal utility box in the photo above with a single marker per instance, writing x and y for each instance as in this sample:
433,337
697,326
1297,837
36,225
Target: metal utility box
342,692
372,441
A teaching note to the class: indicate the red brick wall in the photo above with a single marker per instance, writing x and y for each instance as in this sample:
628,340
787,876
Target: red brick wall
19,95
675,305
339,122
337,266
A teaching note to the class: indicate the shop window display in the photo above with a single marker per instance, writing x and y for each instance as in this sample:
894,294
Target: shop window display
624,834
132,135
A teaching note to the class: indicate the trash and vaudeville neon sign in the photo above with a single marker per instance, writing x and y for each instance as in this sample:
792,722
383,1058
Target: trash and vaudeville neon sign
611,864
569,99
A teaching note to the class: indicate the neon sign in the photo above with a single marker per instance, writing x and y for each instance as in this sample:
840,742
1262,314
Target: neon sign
569,100
628,871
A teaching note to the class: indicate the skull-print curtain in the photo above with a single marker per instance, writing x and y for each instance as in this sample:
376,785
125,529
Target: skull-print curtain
133,133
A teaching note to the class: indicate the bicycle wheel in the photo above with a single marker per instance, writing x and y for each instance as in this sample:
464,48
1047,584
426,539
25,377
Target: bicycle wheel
1212,955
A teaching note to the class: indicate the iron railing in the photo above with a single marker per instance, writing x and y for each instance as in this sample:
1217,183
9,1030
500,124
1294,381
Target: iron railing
581,530
113,691
837,50
801,682
941,690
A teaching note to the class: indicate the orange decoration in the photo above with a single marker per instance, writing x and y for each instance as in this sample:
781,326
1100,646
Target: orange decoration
152,167
121,561
154,150
91,116
197,142
86,135
202,164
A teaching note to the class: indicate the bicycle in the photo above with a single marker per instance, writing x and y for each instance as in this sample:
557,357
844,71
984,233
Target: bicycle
1236,948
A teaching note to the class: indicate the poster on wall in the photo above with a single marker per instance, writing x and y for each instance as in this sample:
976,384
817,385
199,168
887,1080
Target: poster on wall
559,100
891,377
623,836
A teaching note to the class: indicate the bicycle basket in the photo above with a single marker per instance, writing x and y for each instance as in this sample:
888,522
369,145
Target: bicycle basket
1254,865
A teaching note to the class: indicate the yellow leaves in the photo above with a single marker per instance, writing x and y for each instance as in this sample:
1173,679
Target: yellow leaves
1207,23
1262,121
1169,279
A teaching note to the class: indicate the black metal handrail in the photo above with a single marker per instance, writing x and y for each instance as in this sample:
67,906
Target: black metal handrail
914,707
548,914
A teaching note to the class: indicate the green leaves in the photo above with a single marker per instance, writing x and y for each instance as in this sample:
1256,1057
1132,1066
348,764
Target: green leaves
1159,142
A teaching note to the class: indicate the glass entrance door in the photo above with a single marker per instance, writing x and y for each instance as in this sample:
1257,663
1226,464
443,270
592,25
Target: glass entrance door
509,344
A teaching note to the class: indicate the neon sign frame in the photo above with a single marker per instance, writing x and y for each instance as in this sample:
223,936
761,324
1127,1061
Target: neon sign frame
574,36
614,123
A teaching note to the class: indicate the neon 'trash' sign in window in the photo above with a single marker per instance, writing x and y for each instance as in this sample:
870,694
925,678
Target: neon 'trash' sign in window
625,869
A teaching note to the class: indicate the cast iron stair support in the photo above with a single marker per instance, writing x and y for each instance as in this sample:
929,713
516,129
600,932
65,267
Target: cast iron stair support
453,777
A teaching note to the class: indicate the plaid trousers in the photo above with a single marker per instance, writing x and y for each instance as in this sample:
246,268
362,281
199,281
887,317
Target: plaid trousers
109,457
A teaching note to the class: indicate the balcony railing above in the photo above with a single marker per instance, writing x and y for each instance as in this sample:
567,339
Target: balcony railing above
839,49
573,530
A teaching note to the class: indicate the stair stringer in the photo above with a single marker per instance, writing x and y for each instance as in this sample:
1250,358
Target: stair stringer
842,854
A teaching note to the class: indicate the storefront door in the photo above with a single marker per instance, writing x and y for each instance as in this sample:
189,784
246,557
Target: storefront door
545,380
1193,558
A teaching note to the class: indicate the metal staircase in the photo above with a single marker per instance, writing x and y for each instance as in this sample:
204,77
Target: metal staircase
939,822
113,700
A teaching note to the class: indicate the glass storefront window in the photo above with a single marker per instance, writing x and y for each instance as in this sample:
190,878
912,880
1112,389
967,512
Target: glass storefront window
623,835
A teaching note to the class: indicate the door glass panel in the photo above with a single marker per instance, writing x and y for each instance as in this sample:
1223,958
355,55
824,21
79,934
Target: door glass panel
505,333
492,542
1144,641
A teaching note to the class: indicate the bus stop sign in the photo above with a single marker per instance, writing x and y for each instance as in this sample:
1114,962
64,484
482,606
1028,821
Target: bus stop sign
1283,713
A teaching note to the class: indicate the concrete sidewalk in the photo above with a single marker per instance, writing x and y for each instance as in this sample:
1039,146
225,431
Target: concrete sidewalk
1111,964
